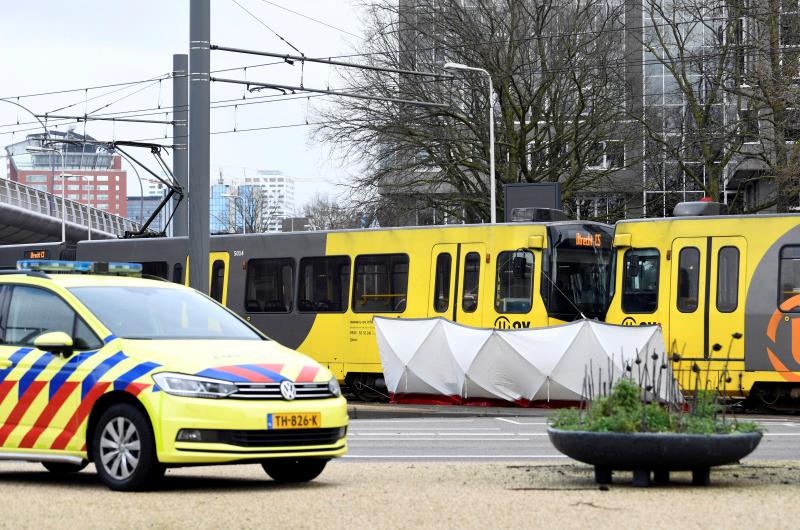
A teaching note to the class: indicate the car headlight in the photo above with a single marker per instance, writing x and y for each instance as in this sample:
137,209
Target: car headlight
334,388
193,386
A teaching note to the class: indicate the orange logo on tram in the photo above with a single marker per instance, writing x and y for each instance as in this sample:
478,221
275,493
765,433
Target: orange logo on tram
772,334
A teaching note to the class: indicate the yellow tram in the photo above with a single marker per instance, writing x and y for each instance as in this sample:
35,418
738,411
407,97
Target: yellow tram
317,292
725,290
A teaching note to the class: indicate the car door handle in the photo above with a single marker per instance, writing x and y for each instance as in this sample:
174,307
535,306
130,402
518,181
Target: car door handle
5,363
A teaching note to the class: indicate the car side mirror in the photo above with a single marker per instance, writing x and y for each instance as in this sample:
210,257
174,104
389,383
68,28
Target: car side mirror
56,342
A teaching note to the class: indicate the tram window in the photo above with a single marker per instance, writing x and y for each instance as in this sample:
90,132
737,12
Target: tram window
268,287
727,279
789,278
381,283
688,279
441,286
177,273
217,280
514,282
640,281
472,273
324,284
155,268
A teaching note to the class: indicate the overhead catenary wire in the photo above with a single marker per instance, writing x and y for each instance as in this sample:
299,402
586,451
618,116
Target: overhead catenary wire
81,89
87,99
392,51
99,118
290,58
257,100
310,18
292,46
295,89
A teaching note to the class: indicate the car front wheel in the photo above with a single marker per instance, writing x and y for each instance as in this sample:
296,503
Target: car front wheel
288,470
124,450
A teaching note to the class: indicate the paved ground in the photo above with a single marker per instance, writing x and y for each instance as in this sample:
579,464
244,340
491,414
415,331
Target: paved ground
404,495
387,481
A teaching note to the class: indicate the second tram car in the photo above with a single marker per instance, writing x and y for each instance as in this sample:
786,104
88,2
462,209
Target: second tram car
317,292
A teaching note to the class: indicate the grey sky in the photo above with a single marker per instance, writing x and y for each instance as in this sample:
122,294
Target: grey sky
53,45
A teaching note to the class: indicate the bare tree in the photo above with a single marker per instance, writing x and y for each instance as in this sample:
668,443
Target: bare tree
560,94
693,134
324,213
770,70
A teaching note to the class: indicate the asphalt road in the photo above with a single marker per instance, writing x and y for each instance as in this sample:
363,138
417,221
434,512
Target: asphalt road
504,438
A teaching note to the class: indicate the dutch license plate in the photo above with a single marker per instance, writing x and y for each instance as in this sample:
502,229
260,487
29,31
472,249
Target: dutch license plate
296,420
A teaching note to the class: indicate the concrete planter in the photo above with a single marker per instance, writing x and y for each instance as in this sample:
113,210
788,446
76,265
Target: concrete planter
660,453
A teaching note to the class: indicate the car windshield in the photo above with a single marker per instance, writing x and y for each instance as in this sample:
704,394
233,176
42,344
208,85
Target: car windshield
161,313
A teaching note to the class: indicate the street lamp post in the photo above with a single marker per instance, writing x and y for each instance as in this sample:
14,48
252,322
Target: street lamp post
235,197
63,186
492,197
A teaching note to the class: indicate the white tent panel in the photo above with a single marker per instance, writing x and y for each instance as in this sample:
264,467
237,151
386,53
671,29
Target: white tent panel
543,347
435,364
438,357
502,372
464,342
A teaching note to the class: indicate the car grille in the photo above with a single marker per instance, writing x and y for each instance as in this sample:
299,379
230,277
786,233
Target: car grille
273,391
275,437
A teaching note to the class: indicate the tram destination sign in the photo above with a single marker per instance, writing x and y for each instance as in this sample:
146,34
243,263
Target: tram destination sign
37,254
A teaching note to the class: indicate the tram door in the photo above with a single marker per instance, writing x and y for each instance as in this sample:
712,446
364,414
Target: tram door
707,303
218,265
687,301
470,293
444,261
727,295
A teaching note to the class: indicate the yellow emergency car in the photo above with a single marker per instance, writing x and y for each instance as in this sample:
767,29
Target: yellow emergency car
137,375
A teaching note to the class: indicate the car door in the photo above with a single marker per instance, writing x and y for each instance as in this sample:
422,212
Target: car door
44,393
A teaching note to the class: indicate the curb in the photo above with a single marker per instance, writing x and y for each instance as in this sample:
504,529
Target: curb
364,411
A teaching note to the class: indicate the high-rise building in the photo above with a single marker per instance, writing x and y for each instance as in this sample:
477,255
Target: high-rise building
93,175
141,207
276,197
224,218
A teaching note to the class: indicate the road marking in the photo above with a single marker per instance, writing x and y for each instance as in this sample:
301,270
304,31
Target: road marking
417,420
504,457
377,429
366,433
471,439
515,422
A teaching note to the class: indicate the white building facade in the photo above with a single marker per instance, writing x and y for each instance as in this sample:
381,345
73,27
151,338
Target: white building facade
277,191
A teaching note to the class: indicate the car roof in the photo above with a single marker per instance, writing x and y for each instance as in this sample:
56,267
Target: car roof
92,280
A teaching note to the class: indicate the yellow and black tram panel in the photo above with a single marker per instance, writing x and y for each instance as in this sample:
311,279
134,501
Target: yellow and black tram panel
318,292
726,292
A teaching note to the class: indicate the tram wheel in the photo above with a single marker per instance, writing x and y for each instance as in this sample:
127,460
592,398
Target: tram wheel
769,395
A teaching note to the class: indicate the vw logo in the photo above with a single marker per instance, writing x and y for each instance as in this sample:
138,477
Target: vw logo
288,391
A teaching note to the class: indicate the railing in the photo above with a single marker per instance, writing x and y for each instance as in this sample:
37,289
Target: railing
46,203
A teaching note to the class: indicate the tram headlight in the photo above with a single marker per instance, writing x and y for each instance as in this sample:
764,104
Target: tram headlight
193,386
334,388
